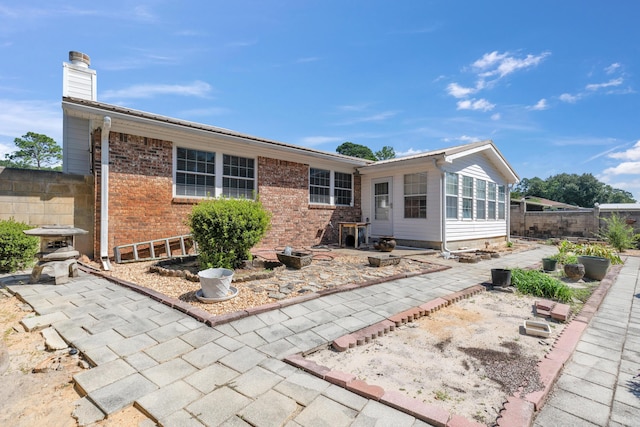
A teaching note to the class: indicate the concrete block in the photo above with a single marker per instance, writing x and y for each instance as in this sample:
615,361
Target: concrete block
52,340
37,323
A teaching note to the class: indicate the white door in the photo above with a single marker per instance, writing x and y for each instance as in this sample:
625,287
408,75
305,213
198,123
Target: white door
382,221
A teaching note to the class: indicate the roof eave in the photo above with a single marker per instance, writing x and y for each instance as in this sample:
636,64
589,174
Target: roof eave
98,111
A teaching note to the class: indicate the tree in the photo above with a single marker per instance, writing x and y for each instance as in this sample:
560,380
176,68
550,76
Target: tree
386,153
579,190
35,151
355,150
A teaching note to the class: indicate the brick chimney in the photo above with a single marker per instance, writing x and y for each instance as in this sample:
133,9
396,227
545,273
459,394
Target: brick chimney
78,80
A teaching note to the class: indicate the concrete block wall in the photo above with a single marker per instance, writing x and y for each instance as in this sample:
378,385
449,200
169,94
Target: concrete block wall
553,224
38,198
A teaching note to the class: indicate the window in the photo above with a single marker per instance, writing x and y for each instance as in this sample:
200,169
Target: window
238,177
467,197
342,188
415,195
451,184
319,186
501,203
481,199
491,198
195,173
326,187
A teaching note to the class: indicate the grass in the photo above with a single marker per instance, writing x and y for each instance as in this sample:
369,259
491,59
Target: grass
539,284
442,395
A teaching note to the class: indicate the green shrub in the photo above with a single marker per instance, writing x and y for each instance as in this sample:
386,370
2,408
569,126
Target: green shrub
227,229
539,284
569,249
17,250
617,233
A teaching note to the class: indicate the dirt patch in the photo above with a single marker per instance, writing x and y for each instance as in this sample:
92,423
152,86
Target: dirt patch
466,358
37,386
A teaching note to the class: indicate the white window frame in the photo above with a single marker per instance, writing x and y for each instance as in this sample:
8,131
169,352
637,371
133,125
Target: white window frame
416,190
190,170
481,199
337,189
331,189
467,197
233,191
492,193
502,191
451,197
218,175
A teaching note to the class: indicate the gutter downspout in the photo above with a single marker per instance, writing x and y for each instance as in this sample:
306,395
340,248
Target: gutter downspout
443,214
508,211
104,193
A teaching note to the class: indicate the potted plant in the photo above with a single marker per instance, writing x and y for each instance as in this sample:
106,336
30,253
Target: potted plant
501,277
549,264
595,267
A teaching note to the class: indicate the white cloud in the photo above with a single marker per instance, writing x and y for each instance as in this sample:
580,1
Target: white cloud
632,153
458,91
19,117
409,152
496,116
493,66
503,64
540,105
626,174
476,105
612,68
624,168
489,60
198,89
567,97
610,83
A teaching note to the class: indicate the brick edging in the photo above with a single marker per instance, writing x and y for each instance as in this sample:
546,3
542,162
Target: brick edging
517,410
432,414
521,410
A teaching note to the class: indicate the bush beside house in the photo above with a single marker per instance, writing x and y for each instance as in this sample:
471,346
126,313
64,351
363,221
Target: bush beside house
17,250
226,230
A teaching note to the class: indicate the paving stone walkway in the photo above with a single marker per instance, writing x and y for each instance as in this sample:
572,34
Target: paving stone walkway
183,373
600,386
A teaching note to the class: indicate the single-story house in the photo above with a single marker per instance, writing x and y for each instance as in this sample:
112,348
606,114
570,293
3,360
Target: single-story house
149,171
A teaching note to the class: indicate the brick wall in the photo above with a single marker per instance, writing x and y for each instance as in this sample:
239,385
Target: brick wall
284,191
141,205
142,208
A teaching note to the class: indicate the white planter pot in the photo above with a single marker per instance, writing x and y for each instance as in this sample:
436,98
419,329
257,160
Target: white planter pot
215,282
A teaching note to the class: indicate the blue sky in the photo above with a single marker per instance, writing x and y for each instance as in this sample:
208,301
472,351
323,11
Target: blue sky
553,83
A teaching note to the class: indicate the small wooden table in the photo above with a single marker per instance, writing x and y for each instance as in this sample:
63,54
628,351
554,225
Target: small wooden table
56,252
357,226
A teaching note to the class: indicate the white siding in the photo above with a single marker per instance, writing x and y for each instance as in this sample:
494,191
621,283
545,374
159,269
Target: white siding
408,228
478,167
75,147
79,82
